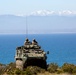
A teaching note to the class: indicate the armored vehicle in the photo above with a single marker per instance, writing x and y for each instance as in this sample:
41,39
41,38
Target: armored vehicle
30,54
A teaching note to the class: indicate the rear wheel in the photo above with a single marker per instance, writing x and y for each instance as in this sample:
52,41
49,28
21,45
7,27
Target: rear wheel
44,64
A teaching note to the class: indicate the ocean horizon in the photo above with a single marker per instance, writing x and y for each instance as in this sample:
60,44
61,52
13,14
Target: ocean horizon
61,47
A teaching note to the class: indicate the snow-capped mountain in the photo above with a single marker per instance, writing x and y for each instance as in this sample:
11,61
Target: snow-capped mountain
42,13
49,13
67,12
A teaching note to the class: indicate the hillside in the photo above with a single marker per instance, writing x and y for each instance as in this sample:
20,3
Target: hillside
52,69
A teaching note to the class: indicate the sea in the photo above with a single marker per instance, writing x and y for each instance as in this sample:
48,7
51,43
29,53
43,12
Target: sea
61,47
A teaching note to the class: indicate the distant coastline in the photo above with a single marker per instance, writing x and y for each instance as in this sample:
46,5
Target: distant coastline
38,33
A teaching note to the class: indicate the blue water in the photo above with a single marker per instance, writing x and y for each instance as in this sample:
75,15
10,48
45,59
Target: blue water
62,47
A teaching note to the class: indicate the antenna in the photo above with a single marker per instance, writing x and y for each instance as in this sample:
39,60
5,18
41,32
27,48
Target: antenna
26,28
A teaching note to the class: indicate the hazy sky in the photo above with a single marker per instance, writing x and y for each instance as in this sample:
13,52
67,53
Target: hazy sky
24,7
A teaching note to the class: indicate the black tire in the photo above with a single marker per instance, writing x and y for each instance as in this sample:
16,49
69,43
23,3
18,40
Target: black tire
44,65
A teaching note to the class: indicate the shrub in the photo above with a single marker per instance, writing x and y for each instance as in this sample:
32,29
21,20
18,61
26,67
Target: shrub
52,68
18,72
74,69
70,68
59,71
33,70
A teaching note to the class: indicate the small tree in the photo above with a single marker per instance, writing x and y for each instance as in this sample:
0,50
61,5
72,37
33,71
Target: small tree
68,67
52,68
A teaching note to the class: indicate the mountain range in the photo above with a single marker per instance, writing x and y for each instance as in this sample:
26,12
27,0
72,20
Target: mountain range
39,22
49,13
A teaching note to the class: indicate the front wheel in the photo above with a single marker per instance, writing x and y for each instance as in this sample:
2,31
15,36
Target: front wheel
19,64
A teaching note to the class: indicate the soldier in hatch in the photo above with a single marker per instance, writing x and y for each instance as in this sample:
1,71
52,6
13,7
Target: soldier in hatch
27,42
34,42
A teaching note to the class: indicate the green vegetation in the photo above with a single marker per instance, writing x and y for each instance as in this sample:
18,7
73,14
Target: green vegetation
52,68
65,68
70,68
34,70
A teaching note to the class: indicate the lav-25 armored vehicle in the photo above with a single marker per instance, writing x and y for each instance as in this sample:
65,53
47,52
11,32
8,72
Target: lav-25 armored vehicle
30,54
